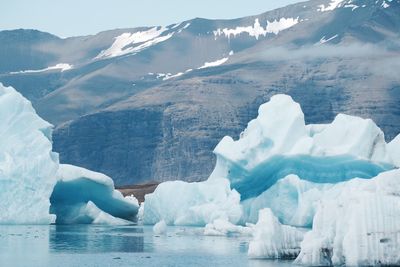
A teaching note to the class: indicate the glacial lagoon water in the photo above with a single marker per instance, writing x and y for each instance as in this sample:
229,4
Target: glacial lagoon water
90,245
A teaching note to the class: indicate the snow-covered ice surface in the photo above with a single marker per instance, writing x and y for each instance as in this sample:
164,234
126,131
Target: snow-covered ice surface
272,240
80,195
27,164
60,67
182,203
360,226
257,30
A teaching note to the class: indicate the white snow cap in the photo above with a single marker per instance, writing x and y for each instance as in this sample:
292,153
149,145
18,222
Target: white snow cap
257,30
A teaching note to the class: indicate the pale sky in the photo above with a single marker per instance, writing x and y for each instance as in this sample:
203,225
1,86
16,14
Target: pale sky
82,17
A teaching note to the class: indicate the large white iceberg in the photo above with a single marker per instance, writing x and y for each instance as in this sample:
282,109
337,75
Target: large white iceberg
359,226
27,164
278,143
30,175
275,145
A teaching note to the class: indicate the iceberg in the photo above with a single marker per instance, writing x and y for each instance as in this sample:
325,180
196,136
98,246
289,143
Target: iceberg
358,227
278,143
36,189
280,163
195,204
79,190
160,228
27,164
222,227
272,240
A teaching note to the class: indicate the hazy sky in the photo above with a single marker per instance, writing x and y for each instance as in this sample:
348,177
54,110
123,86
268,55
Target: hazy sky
80,17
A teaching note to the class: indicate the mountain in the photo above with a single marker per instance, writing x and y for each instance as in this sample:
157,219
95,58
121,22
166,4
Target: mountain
150,103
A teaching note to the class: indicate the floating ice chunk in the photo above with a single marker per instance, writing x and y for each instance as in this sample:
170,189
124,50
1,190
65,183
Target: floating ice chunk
77,186
27,164
222,227
257,30
273,240
182,203
160,228
278,143
360,226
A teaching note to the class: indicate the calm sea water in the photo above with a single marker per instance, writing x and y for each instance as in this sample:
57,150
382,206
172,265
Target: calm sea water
88,245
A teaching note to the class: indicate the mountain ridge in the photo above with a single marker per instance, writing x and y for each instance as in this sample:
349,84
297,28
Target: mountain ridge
155,111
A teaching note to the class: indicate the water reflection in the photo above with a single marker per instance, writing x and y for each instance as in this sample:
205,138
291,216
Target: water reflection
90,245
95,239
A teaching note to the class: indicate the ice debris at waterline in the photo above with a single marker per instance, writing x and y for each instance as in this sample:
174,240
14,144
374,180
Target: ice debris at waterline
29,171
181,203
272,240
27,164
77,187
276,144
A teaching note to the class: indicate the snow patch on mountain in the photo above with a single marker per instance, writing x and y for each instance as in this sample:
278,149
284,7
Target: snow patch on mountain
184,27
214,63
385,5
323,40
332,6
257,30
131,43
352,6
61,66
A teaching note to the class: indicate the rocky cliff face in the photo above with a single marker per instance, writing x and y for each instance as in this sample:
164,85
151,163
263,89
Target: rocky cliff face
154,108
